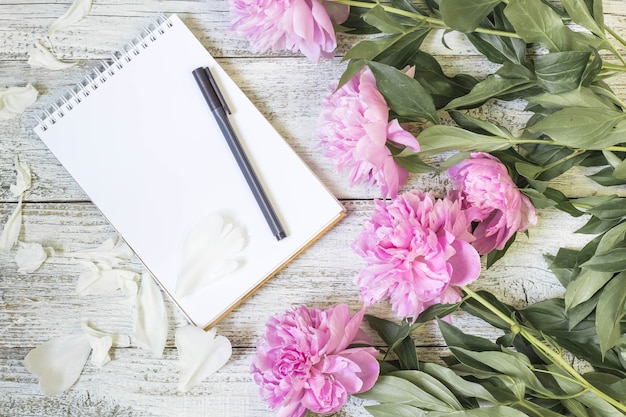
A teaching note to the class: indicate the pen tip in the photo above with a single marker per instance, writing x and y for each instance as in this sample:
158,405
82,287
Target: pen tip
281,235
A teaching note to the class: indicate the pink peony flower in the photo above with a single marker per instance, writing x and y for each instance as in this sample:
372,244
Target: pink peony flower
305,25
354,128
492,199
304,362
417,253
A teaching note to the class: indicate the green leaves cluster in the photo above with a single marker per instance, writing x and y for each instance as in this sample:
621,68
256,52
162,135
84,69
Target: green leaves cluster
513,376
595,276
575,119
563,83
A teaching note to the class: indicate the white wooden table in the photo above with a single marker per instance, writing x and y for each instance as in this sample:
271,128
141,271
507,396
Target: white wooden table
288,89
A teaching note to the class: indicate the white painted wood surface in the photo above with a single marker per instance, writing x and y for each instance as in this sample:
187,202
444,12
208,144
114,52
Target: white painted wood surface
288,89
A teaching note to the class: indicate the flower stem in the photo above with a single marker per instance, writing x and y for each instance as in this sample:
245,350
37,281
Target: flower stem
615,35
421,18
556,358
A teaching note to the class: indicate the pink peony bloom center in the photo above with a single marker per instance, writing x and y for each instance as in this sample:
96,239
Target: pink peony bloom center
355,131
417,251
303,362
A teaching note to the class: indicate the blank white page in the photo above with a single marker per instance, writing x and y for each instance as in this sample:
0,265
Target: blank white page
145,148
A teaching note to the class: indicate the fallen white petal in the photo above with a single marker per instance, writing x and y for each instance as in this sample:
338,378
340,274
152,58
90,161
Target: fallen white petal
100,279
40,56
14,100
24,178
150,321
208,254
200,354
78,10
58,362
30,256
101,343
112,252
12,228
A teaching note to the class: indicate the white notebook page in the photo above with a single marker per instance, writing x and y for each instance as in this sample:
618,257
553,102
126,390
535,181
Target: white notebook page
145,148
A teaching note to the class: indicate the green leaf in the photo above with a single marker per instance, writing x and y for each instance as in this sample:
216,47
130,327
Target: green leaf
481,124
586,284
613,209
432,386
581,97
492,87
404,50
436,311
611,238
593,69
393,389
475,308
580,127
465,15
605,177
498,49
580,14
456,384
536,22
383,21
397,337
559,72
610,311
620,170
595,226
409,160
612,261
394,410
456,338
405,96
497,411
442,88
371,48
500,362
549,317
439,139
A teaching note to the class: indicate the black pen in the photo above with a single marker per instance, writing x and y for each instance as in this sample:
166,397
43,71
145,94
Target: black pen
219,108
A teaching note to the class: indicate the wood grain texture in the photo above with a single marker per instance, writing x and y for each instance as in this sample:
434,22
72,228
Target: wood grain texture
288,89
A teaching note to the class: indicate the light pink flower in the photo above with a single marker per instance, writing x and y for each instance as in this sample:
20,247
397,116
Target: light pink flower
304,361
354,128
417,253
492,199
305,25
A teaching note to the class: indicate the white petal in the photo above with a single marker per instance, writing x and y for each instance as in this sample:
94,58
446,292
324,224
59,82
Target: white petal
40,56
101,344
207,254
200,354
112,252
100,279
150,321
14,100
78,10
24,178
58,362
12,228
29,257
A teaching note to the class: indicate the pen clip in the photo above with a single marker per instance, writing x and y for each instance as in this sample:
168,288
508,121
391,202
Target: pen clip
220,97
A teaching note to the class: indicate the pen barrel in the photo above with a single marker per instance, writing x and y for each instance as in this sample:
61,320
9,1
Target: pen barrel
248,172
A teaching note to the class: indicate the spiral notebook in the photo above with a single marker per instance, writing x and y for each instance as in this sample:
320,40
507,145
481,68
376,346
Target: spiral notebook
139,138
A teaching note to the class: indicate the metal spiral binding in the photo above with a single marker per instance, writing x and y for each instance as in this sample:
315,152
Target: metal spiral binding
100,74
